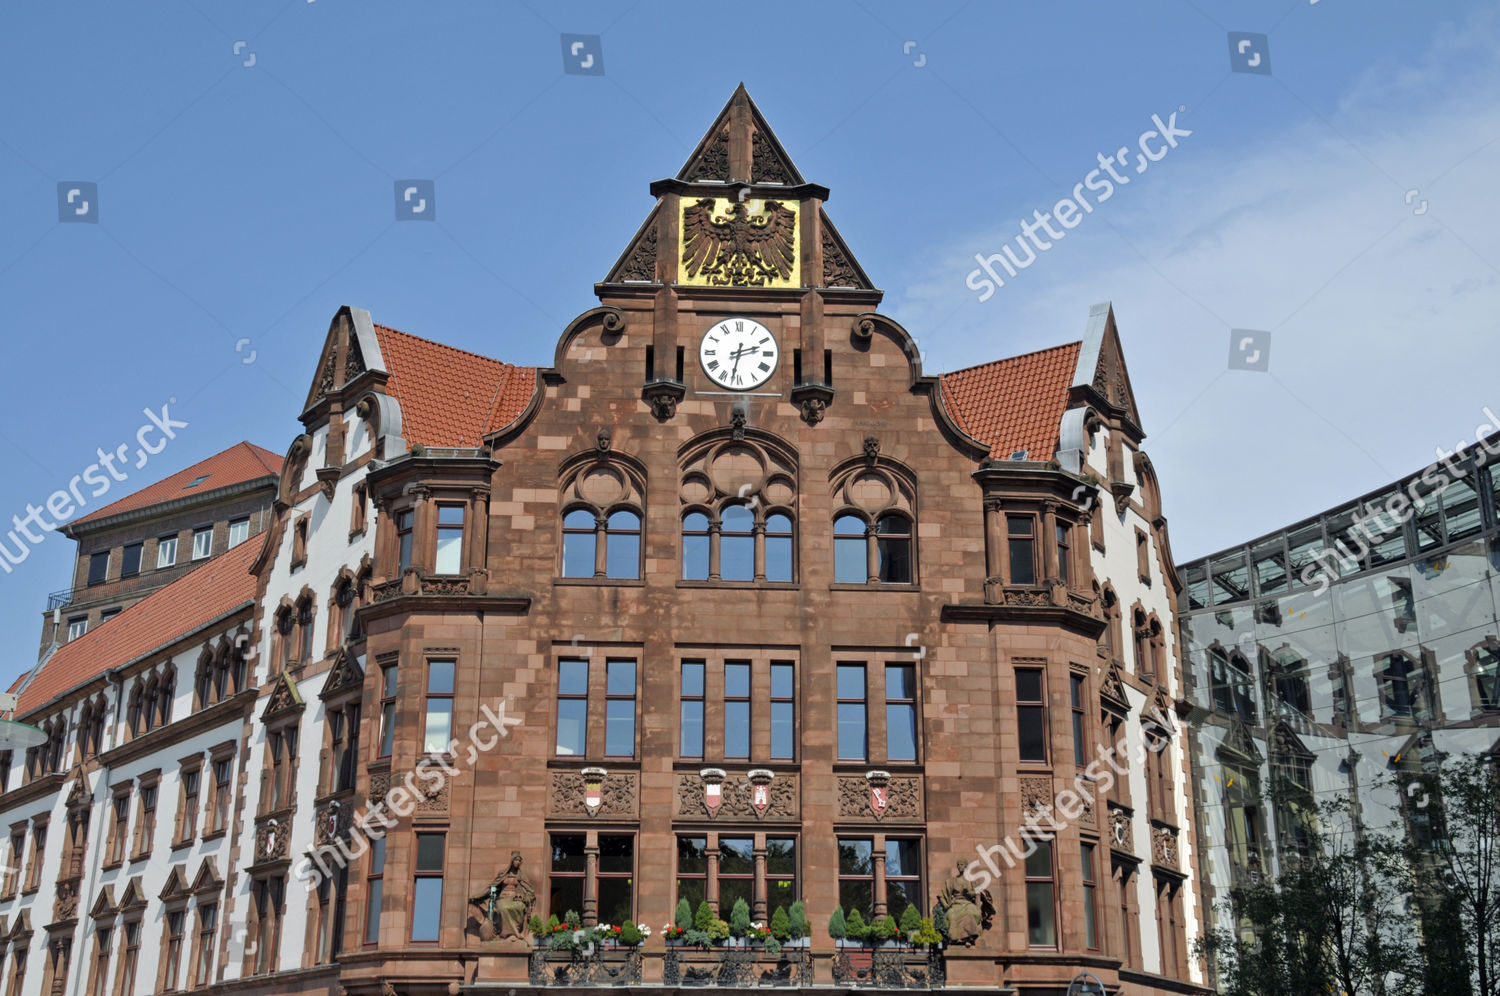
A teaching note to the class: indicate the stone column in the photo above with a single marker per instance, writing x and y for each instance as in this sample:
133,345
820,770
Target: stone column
758,895
591,879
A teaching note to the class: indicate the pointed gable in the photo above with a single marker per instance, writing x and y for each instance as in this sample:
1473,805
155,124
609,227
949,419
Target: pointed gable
740,146
1112,690
1286,743
1239,744
1100,372
350,350
283,698
208,880
104,905
344,676
133,898
176,886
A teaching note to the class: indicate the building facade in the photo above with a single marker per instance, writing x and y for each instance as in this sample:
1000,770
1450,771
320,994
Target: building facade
1340,657
732,601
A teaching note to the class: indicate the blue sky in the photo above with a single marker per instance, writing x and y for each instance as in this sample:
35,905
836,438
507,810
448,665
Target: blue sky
244,202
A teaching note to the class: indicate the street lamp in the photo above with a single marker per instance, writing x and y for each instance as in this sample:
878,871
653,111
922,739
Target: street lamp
1086,984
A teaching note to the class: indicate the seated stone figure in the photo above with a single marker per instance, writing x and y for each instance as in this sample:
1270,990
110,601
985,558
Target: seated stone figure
969,911
506,903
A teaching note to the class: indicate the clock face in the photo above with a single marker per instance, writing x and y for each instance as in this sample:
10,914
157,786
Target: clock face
739,354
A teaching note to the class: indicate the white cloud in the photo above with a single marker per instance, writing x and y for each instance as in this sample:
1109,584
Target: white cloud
1383,319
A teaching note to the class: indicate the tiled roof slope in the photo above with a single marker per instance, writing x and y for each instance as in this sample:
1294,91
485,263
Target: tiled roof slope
1014,404
244,461
202,594
448,396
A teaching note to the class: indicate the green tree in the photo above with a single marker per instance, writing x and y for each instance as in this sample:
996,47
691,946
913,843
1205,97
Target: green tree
704,919
838,928
798,915
739,918
683,919
858,929
781,924
911,921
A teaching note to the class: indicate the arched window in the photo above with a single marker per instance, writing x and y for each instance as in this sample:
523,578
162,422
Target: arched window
893,548
779,547
305,626
736,544
133,711
578,543
343,600
622,545
286,621
204,682
1112,635
695,547
165,690
850,562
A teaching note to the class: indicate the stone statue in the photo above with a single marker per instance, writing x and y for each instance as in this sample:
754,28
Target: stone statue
506,903
969,911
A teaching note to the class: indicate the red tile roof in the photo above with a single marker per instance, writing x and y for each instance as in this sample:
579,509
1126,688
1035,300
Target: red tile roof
242,462
1014,404
205,593
448,396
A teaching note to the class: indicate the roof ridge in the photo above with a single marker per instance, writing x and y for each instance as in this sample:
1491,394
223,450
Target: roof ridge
444,345
1018,356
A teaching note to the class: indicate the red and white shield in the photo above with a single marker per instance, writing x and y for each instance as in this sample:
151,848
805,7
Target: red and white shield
877,798
760,796
712,795
592,795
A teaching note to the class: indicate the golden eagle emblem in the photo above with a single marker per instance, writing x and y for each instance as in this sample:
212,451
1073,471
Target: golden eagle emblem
739,244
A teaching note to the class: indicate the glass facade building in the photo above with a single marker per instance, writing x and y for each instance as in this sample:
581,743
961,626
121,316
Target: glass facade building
1338,657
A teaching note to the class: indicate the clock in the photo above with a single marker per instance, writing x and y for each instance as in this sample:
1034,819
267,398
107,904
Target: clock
739,354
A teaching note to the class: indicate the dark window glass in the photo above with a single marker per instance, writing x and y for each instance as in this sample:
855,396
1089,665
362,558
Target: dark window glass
1041,914
1031,715
692,869
427,897
736,872
893,549
695,547
130,566
98,567
781,872
903,875
616,879
1063,554
737,544
850,561
567,875
1075,691
578,544
783,712
403,540
1022,540
856,876
1090,910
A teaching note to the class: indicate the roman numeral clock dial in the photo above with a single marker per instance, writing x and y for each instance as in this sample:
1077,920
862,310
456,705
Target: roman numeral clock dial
739,354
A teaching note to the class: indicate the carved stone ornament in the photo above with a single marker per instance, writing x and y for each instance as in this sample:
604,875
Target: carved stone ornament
838,271
713,162
603,440
640,265
872,448
736,796
724,244
766,166
615,793
1121,834
272,840
737,421
663,396
814,400
900,797
1036,796
1164,847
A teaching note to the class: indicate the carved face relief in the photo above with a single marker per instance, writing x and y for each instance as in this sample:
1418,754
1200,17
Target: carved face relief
739,354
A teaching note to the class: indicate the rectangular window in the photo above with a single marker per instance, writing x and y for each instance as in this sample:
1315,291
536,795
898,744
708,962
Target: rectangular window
403,541
438,726
572,708
903,875
736,872
223,771
1080,746
1031,715
13,871
269,896
1090,903
130,564
282,750
781,872
374,886
692,870
203,542
567,875
783,713
851,712
172,955
737,709
1021,543
856,876
119,830
203,964
427,891
1041,911
450,540
38,855
619,709
77,626
130,957
616,878
1143,556
18,971
692,711
345,730
166,552
387,709
1063,553
357,511
146,831
900,712
98,567
99,982
239,531
187,804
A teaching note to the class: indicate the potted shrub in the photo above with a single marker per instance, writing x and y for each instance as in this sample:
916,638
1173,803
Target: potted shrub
781,925
739,923
539,930
927,935
884,932
911,923
800,936
838,927
632,935
708,928
672,934
773,946
859,931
